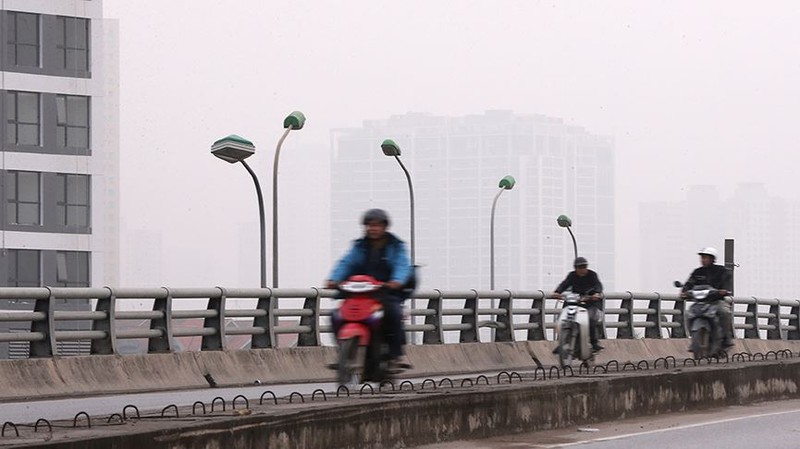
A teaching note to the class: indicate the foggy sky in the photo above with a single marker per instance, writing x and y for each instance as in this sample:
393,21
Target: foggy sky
692,92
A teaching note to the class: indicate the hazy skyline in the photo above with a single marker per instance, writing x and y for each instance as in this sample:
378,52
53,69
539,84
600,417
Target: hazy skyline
693,93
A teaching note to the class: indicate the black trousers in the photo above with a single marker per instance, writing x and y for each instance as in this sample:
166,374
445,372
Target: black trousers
394,332
595,315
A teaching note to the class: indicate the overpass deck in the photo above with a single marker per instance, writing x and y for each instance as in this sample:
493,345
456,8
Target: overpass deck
429,410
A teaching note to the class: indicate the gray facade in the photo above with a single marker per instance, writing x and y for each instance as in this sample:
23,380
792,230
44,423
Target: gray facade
59,208
49,121
62,43
49,179
33,268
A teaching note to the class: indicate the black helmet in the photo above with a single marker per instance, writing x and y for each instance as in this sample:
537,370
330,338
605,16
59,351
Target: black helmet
375,215
580,261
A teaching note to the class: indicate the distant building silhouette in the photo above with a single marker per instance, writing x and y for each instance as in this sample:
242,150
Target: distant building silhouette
761,224
456,164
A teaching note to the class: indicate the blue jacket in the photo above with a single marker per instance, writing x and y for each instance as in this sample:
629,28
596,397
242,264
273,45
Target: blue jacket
396,258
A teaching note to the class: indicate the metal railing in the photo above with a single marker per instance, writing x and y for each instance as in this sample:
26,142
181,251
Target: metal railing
520,315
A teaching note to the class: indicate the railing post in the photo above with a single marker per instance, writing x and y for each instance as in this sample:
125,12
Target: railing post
795,321
435,336
680,331
164,343
538,318
312,338
267,339
216,341
655,331
107,345
602,331
752,320
471,335
775,320
506,332
47,346
626,332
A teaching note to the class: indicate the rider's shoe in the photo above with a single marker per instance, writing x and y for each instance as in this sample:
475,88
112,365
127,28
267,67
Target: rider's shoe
399,364
557,349
596,347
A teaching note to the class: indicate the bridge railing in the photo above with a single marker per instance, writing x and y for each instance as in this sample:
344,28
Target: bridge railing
514,316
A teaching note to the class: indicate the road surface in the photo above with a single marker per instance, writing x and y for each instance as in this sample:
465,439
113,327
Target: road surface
774,425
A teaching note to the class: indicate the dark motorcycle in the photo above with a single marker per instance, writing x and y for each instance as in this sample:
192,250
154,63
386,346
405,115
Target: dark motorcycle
703,321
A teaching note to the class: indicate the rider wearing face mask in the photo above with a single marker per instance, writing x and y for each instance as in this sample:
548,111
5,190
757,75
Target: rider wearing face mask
719,278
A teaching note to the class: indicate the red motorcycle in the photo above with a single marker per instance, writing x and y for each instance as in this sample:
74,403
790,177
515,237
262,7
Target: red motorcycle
358,323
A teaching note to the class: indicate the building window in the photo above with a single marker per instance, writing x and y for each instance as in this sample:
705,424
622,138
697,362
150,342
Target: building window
72,118
72,269
23,198
23,39
72,36
24,268
23,118
73,200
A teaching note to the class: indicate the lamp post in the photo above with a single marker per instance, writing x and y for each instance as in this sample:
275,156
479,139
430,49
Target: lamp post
507,183
295,121
565,222
391,149
235,149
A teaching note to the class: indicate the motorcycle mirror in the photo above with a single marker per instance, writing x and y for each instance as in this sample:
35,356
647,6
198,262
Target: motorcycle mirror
677,284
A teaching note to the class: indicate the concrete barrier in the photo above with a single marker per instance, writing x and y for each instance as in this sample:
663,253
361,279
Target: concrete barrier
411,419
69,376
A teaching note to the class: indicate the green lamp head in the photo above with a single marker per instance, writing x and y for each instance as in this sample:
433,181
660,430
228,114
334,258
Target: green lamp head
507,182
233,148
295,120
390,148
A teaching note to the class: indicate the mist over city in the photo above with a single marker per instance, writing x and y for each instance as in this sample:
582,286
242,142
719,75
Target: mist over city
658,127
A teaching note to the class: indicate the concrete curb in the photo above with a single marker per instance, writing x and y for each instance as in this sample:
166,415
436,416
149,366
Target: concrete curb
414,419
98,375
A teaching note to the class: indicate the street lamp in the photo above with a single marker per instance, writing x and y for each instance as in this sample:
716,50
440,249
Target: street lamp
295,120
565,222
507,183
235,149
390,148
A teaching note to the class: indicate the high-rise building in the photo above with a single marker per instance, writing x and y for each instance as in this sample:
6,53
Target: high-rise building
456,164
767,255
59,165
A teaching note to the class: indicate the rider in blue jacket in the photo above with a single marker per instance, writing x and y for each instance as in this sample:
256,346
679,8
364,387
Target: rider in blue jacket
383,256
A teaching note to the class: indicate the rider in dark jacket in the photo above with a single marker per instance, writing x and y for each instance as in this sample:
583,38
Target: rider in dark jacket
383,256
717,277
585,282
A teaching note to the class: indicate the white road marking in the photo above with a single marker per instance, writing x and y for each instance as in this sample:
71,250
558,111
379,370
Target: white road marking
668,429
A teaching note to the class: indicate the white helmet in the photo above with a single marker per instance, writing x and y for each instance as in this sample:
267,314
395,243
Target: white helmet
708,251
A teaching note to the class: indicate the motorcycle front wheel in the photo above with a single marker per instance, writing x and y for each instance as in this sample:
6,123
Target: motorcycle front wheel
700,343
565,346
348,350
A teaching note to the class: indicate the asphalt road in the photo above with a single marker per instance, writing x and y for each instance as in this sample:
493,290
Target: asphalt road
766,425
